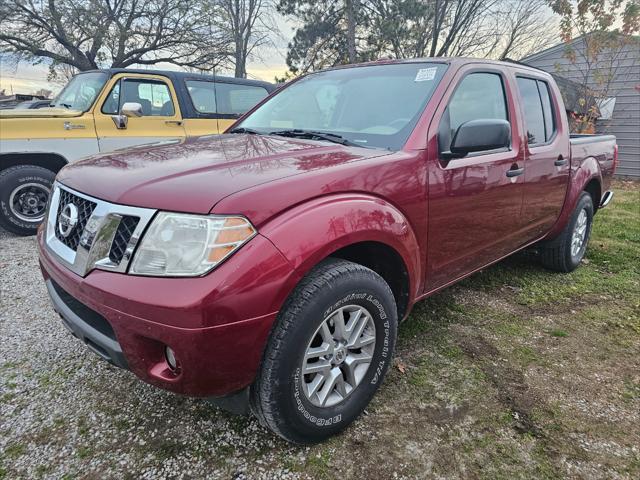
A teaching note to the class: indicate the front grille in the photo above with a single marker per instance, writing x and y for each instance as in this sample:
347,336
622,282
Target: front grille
121,239
102,233
85,209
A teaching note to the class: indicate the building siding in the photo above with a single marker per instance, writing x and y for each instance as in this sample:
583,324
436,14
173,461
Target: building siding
625,122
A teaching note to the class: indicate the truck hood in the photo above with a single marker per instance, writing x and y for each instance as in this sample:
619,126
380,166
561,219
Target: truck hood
195,174
39,113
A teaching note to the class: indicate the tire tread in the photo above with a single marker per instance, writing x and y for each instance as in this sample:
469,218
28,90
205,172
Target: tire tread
263,405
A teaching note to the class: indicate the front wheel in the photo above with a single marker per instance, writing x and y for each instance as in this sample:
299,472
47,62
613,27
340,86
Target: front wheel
565,252
24,193
327,354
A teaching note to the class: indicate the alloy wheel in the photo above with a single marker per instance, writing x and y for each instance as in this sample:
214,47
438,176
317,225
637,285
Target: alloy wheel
338,355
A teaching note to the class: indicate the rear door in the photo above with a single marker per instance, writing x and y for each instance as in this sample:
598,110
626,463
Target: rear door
547,153
219,104
161,118
474,202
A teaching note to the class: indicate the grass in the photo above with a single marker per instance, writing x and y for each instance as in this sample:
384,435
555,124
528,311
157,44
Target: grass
516,372
520,347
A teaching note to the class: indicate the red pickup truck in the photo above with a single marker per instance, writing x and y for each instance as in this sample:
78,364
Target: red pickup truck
269,267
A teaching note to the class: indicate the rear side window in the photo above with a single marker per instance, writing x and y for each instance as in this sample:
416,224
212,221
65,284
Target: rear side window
235,99
224,98
538,113
203,95
547,109
478,96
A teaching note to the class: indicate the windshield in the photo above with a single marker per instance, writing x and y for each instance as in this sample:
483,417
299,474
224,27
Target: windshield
81,91
374,106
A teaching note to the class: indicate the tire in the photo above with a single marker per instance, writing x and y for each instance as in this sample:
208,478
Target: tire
558,254
24,194
334,289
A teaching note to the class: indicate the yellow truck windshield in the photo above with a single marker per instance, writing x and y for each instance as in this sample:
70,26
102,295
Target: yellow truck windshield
81,91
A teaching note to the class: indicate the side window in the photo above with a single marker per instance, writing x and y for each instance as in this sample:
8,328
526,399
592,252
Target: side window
154,96
236,99
538,114
111,105
547,109
478,96
203,95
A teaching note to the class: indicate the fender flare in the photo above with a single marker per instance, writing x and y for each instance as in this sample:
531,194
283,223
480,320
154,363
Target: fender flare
588,170
310,232
51,161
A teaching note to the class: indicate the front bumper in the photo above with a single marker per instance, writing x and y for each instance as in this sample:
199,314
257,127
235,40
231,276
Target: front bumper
217,325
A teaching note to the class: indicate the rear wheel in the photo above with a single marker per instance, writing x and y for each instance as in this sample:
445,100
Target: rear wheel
565,252
24,193
327,354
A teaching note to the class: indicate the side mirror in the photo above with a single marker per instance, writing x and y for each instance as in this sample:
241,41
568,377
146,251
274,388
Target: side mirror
129,109
479,136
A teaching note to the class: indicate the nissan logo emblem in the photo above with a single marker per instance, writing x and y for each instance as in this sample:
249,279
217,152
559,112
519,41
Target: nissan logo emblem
68,219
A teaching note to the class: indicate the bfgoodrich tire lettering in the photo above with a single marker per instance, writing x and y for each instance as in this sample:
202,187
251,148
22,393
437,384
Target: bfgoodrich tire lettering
35,183
277,397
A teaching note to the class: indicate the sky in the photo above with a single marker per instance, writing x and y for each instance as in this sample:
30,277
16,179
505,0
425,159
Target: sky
27,78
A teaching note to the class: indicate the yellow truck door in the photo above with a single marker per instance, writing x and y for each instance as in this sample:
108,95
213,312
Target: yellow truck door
161,118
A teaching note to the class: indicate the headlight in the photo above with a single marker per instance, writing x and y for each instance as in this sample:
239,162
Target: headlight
185,245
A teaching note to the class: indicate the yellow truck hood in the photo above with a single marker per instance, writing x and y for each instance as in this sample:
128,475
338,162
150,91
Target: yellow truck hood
39,113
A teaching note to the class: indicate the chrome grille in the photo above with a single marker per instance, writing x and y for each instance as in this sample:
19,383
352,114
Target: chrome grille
126,227
105,234
85,209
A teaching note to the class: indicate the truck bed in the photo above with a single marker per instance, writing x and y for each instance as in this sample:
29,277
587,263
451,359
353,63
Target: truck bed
582,138
600,147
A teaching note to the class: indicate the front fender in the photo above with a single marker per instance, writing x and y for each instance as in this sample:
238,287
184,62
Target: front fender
586,171
310,232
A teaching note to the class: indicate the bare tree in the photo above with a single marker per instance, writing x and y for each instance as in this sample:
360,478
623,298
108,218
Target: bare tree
339,31
351,7
248,25
88,34
522,28
600,47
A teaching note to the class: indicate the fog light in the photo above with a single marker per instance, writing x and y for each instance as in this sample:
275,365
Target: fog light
171,358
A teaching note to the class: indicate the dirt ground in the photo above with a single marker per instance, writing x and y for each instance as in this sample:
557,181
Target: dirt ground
514,373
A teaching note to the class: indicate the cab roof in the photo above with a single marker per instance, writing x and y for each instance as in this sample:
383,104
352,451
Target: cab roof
176,75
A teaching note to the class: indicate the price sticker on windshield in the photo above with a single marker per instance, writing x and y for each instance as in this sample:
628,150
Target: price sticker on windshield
426,74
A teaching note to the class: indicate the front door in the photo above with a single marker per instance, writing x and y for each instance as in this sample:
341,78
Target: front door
474,204
160,120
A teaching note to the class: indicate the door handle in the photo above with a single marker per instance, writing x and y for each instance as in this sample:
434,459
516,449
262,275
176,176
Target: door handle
560,161
177,123
514,172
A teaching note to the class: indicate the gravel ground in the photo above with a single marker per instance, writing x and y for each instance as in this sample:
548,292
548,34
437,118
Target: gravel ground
66,412
515,373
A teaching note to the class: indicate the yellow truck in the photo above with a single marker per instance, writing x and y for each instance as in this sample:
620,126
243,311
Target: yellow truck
101,111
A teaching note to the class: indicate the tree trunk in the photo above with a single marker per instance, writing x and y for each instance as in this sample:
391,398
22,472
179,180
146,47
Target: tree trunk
240,59
436,29
351,6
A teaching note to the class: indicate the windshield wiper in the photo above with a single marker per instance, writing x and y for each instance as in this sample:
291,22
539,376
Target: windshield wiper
312,134
243,130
